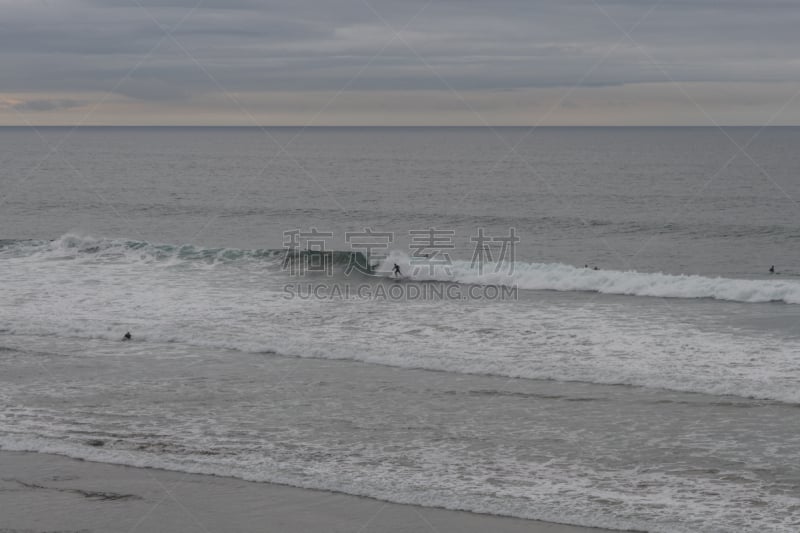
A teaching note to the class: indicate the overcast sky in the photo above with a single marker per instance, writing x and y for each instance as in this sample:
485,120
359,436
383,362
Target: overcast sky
349,62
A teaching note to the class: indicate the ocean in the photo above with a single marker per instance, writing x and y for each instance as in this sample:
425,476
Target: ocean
585,328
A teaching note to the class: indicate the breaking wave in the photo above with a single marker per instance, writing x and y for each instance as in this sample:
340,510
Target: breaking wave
561,277
522,275
71,246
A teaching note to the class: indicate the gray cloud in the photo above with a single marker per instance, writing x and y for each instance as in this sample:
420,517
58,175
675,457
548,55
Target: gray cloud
48,105
321,45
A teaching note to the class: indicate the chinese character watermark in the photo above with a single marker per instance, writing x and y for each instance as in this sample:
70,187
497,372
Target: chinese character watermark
429,256
427,249
482,253
369,246
314,257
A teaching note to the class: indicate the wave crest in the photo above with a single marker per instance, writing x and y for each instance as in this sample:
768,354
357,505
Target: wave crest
561,277
74,246
522,275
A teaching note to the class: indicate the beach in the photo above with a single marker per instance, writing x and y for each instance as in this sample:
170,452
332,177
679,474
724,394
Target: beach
46,493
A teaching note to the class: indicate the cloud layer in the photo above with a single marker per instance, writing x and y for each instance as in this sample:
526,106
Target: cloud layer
178,58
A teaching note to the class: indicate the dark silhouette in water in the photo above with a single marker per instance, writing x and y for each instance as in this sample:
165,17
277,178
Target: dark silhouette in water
396,271
127,336
772,269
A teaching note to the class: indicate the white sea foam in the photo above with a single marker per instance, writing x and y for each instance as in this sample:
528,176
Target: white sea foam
183,315
523,275
561,277
609,342
451,478
583,347
413,489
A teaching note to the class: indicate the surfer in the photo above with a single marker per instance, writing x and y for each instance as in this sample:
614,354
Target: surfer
396,270
127,336
772,269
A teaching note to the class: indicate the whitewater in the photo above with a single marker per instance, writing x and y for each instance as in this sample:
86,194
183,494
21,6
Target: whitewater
658,392
561,277
522,275
94,288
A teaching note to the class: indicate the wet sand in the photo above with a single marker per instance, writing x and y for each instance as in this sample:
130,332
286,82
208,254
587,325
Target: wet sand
48,493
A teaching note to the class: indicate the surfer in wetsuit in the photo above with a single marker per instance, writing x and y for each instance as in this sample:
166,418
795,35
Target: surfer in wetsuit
127,336
772,269
396,270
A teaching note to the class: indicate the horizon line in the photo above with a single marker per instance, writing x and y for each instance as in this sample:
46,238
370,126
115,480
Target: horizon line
483,126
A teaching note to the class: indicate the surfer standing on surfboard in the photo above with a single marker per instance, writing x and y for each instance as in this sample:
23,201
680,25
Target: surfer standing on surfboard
396,270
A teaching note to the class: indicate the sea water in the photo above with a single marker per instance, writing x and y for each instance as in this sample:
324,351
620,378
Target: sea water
502,374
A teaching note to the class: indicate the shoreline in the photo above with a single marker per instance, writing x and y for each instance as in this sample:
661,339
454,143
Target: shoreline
46,492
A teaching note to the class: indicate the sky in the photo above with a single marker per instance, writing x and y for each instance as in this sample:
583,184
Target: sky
399,62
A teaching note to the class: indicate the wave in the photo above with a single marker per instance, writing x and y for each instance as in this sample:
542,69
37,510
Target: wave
521,275
73,246
562,277
260,468
695,371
